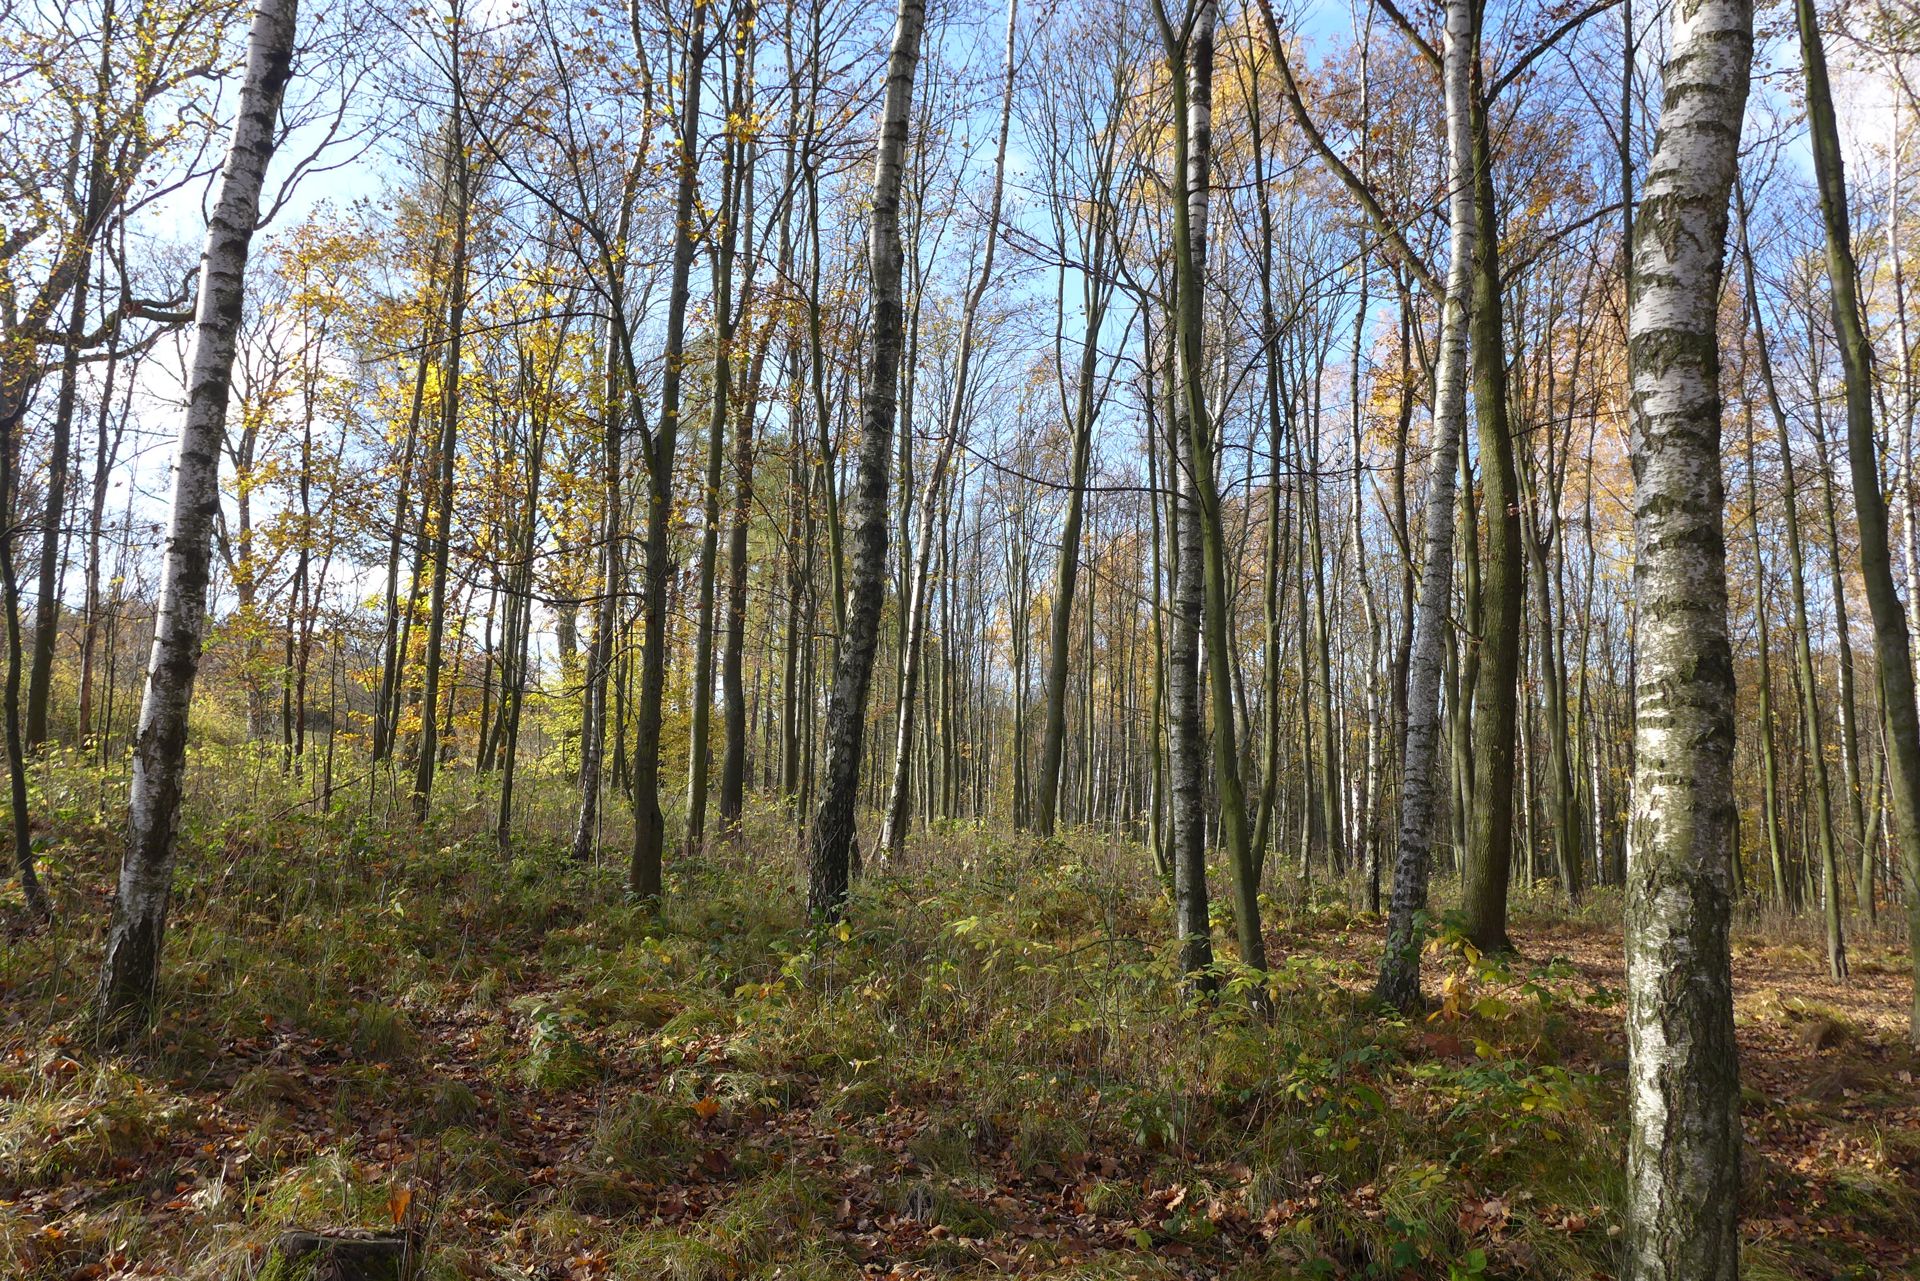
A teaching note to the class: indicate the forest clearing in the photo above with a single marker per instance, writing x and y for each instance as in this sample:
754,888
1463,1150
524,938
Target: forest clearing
709,639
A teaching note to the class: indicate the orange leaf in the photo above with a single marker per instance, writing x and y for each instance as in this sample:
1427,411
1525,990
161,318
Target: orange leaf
707,1108
398,1200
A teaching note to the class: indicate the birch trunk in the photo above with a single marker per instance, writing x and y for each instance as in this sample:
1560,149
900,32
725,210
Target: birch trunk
123,1002
1683,1151
893,834
1186,747
1399,983
833,824
1190,59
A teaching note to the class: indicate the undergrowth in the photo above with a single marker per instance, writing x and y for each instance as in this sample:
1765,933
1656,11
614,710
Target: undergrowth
989,1067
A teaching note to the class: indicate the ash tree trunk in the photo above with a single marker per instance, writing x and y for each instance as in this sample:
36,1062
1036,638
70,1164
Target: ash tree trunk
593,727
123,1003
46,611
444,454
645,882
1683,1149
832,836
733,199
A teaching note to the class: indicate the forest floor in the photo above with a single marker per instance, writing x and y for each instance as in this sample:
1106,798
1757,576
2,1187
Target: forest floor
988,1071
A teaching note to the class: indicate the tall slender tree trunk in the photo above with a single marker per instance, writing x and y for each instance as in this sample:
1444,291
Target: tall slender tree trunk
1502,604
106,450
831,856
393,650
1769,763
893,834
734,177
1683,1148
645,874
429,758
123,1002
1892,648
46,610
1187,752
1190,64
514,661
733,765
1809,690
1399,982
594,721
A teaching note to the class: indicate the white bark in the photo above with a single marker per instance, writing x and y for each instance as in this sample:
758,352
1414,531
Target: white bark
833,824
1186,740
1683,1152
131,966
1400,963
893,833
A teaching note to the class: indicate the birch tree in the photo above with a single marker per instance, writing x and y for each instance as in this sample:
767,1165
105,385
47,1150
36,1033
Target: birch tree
893,834
129,972
1683,1148
1399,982
831,845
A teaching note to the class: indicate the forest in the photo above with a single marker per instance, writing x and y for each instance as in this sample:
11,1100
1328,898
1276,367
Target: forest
1110,640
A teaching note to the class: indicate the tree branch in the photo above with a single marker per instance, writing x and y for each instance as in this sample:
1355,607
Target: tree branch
1389,232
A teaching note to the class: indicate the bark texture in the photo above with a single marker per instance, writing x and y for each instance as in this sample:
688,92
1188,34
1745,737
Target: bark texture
1683,1152
1891,642
123,1003
893,834
645,874
1399,983
833,824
